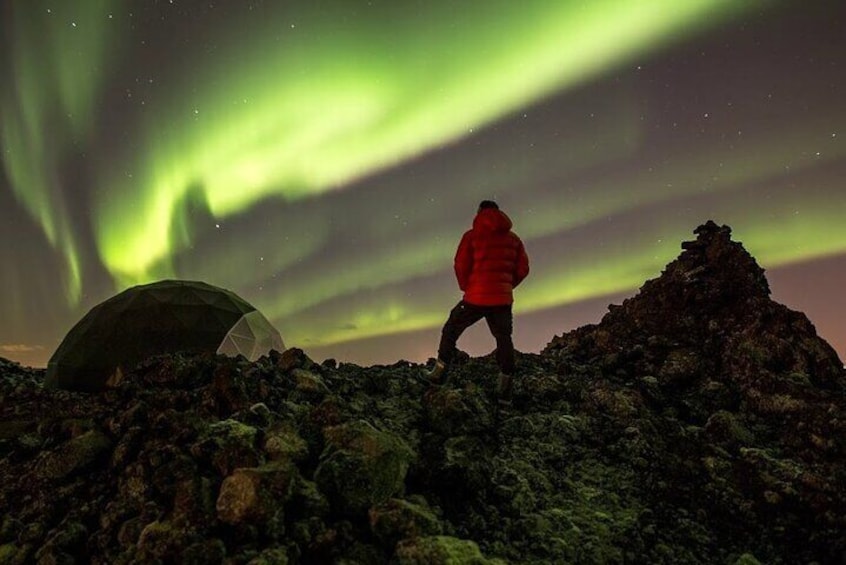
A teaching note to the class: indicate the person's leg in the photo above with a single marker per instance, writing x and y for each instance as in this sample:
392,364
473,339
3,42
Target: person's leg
500,322
460,318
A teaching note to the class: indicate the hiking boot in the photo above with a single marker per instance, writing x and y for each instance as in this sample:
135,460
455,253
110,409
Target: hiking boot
504,389
439,374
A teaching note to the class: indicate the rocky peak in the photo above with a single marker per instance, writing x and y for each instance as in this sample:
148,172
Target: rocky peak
708,316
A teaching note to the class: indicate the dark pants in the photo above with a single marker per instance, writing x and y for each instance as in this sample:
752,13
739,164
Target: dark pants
499,321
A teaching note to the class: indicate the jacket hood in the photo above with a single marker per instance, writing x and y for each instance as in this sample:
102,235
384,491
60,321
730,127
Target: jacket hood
491,219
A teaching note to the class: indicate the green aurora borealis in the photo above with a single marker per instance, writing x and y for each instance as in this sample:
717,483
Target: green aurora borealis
322,159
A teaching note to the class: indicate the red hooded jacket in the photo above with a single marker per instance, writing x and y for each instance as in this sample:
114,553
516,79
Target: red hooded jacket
490,260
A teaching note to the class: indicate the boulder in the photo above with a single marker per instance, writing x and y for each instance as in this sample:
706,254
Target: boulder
362,466
397,519
257,494
440,550
75,455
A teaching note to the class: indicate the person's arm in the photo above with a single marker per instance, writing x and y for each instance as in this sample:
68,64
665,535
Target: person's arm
521,270
464,261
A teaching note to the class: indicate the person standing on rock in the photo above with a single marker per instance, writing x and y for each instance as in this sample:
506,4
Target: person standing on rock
489,263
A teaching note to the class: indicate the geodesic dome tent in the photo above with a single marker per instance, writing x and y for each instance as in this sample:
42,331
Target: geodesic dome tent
162,317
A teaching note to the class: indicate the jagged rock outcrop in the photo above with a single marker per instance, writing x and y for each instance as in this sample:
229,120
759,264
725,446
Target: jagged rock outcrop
753,397
709,313
698,422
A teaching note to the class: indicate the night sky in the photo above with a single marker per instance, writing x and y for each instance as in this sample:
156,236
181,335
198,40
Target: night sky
322,158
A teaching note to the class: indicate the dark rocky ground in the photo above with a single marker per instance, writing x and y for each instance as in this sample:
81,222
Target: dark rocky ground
699,422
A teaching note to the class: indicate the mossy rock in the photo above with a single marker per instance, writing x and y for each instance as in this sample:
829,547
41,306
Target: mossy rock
158,539
228,445
12,554
726,429
255,495
75,455
203,552
282,441
275,556
454,412
397,519
747,559
441,550
361,466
